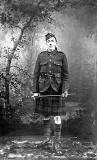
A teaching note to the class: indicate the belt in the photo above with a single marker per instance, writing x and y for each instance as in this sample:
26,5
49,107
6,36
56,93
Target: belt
46,75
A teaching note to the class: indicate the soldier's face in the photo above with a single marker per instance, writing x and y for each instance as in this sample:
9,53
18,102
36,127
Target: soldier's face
51,44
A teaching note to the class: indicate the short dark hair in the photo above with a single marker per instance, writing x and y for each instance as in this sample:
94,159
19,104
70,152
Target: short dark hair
49,35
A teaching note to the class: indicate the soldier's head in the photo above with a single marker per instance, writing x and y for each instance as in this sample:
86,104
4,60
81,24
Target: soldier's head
51,42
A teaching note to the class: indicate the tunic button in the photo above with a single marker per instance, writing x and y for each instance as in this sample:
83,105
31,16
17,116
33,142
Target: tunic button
49,65
49,71
50,60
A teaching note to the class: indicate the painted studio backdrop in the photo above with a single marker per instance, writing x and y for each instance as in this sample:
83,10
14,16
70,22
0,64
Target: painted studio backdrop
22,38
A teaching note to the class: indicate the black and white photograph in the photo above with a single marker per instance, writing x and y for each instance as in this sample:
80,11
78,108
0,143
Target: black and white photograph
48,79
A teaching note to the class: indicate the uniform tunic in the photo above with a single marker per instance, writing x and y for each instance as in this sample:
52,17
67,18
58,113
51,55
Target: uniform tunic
51,77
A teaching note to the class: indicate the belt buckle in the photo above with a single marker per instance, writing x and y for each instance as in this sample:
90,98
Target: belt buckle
50,75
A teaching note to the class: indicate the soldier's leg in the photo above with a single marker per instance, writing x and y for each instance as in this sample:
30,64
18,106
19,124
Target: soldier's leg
46,127
57,134
57,127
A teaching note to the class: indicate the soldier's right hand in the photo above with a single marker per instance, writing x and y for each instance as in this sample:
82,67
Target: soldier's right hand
35,95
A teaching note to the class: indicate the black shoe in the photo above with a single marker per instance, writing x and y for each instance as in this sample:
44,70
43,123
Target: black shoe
58,149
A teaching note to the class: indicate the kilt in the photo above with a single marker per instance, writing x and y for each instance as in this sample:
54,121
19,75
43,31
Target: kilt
50,106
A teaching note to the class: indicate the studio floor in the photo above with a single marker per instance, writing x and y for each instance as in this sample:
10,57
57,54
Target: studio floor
29,148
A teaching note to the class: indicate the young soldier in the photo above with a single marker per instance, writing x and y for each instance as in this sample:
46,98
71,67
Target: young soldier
51,77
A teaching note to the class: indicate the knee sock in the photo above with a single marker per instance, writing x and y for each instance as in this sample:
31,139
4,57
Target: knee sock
46,128
57,127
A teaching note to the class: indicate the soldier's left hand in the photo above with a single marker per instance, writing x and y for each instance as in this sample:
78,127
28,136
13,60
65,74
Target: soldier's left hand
65,94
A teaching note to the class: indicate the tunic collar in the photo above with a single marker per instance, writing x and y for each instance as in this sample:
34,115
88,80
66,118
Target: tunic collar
53,52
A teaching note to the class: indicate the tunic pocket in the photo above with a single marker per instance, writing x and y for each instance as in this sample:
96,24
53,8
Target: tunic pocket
58,63
57,66
44,63
58,77
43,66
41,83
41,80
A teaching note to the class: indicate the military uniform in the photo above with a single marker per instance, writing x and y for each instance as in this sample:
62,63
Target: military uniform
51,77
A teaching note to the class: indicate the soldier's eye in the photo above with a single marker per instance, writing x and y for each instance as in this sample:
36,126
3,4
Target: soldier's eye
48,41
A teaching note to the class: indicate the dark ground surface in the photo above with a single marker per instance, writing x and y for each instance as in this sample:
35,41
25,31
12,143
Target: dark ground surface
25,148
24,144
